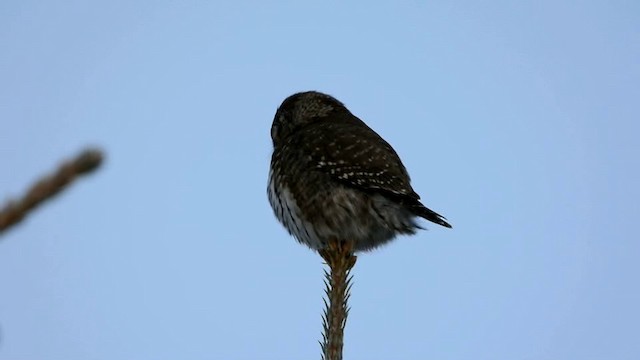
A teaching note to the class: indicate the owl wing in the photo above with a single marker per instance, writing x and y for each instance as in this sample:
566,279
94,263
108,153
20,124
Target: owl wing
353,154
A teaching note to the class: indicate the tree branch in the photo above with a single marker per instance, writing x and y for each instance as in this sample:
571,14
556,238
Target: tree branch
15,210
340,258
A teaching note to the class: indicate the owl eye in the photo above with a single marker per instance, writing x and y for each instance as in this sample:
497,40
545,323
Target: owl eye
278,122
274,131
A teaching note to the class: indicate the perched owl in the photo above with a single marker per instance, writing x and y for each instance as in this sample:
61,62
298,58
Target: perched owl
332,176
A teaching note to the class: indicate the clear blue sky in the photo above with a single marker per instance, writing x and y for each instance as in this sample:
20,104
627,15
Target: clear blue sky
519,121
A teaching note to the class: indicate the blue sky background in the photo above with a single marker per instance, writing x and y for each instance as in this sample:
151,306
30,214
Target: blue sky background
519,121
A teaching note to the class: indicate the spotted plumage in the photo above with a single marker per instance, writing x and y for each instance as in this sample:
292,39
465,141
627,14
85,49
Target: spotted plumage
333,176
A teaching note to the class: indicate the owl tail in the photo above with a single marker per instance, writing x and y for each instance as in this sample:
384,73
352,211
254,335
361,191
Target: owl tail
428,214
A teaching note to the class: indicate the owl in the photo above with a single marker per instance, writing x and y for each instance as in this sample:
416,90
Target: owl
333,177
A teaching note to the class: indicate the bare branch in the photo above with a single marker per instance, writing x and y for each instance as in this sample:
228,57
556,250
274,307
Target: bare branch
47,187
339,256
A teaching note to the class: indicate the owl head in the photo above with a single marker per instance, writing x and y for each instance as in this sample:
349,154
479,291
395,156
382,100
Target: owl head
301,109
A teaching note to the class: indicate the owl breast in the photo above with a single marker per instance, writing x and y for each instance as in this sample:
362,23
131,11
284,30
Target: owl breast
288,213
337,212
